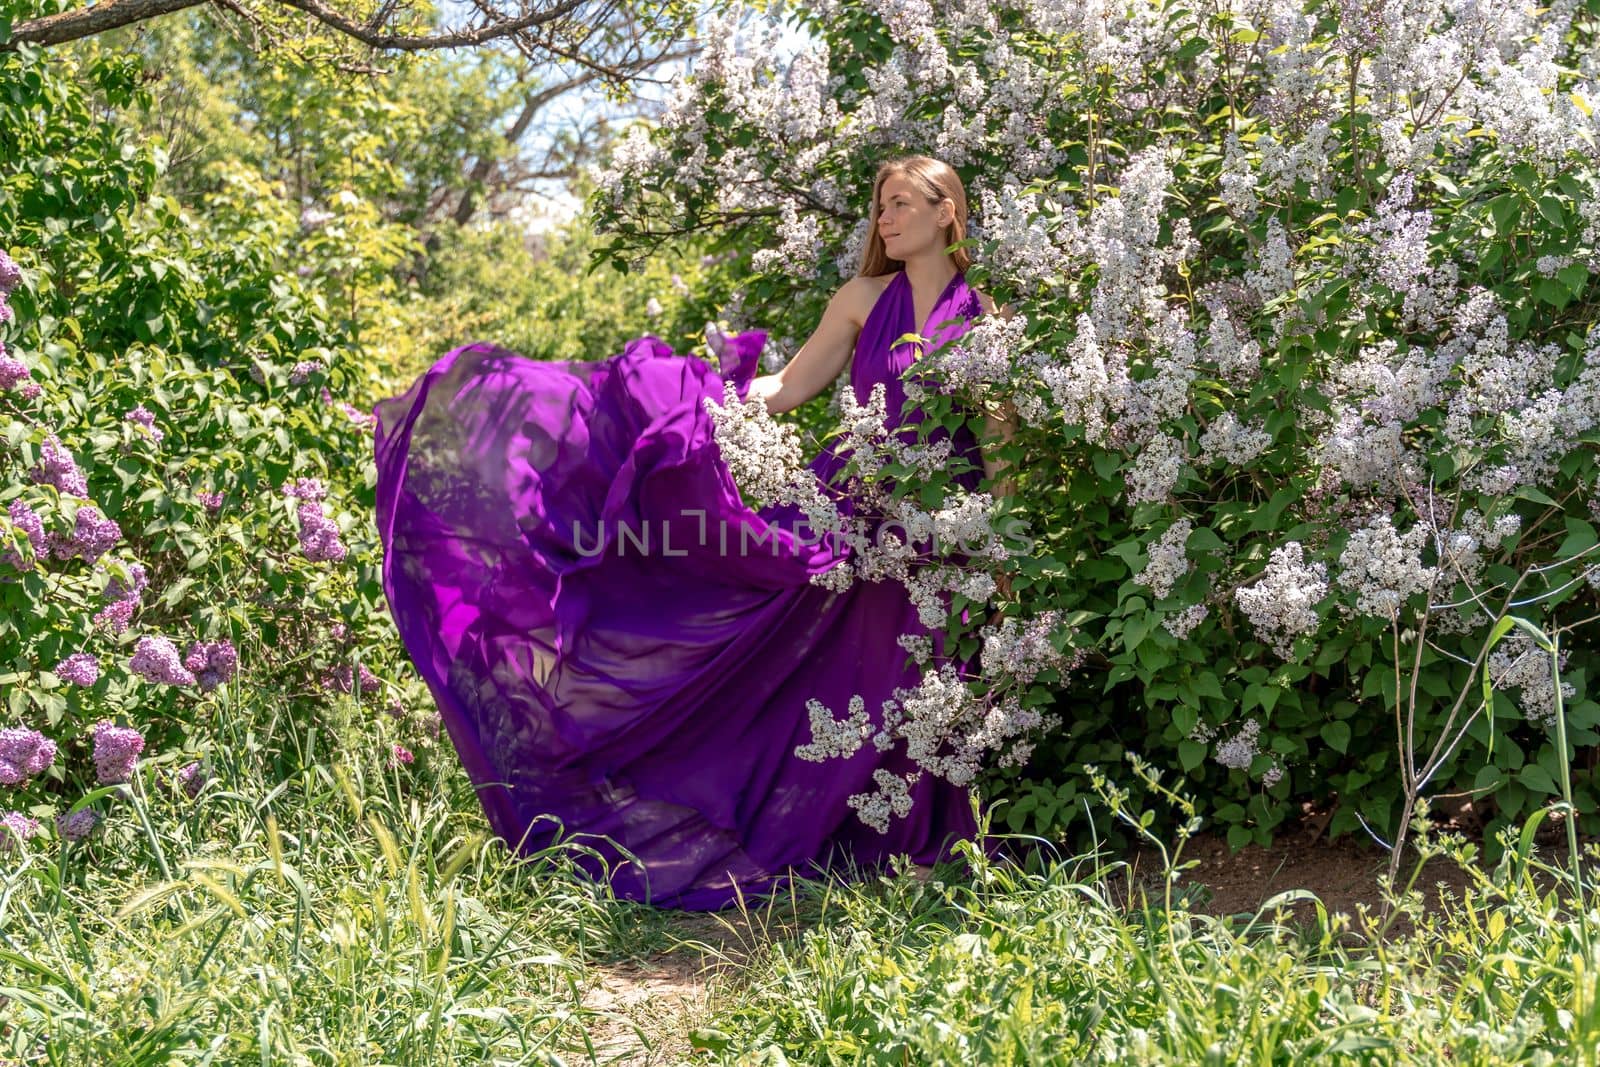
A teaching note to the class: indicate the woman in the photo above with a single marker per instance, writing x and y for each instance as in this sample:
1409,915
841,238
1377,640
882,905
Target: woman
650,693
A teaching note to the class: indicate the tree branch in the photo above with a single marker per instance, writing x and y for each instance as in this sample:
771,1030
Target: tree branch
111,14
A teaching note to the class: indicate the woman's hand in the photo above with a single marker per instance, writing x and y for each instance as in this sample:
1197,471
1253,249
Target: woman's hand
764,387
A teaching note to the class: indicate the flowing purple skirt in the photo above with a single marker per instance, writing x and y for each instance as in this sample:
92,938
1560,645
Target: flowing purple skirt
621,650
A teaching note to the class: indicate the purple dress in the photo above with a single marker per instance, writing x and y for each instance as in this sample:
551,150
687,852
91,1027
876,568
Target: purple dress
563,561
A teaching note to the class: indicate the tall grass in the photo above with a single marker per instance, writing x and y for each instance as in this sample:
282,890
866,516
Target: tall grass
315,906
1046,963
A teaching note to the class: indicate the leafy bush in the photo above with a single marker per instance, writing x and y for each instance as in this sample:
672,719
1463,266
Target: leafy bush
1305,353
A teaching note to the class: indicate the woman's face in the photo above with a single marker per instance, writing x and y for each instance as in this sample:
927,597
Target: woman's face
906,221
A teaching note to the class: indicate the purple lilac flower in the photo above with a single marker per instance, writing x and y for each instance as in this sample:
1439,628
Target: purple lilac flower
327,397
319,535
304,370
77,825
212,501
60,469
23,754
341,678
357,416
93,535
31,390
80,668
146,418
116,590
116,751
10,273
116,615
400,754
395,710
337,631
304,489
12,370
213,662
155,659
25,519
6,313
193,778
15,827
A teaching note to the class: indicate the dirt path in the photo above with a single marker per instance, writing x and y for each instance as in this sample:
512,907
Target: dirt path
647,1010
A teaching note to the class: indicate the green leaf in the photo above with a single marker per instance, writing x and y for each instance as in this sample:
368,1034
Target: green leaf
1536,777
1337,735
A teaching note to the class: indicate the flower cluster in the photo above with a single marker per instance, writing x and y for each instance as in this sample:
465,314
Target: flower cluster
23,754
147,420
1517,663
122,599
301,372
1168,560
58,468
155,659
77,825
80,668
319,535
304,489
1021,652
12,369
16,828
833,738
1384,567
344,679
31,524
116,751
212,662
763,455
1281,605
892,798
192,777
93,535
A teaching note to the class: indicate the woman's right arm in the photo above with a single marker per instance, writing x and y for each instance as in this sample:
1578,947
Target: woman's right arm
821,358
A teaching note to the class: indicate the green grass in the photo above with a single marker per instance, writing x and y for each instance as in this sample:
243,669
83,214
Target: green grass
313,906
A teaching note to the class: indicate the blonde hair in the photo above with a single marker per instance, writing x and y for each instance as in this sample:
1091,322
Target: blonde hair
934,179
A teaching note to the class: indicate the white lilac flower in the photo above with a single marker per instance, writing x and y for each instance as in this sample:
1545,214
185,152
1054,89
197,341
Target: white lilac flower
1168,560
1383,567
1155,470
1238,751
1518,663
1274,272
1227,440
1281,605
1184,622
892,798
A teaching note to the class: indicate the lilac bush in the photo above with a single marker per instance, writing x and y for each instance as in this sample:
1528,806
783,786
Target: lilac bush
1305,352
129,320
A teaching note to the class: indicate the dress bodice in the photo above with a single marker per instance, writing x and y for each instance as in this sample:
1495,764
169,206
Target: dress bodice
878,359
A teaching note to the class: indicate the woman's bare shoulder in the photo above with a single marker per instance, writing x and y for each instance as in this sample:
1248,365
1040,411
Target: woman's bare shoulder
860,293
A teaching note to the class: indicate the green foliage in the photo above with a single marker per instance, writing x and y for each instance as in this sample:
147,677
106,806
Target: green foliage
1502,219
